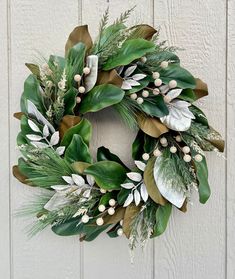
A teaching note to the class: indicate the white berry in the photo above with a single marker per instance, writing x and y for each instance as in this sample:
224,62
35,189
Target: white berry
163,140
143,59
173,149
140,100
103,191
81,89
157,152
85,219
121,222
112,202
78,100
120,232
100,221
111,211
86,71
133,96
178,138
187,158
167,99
145,93
101,208
198,158
155,75
77,78
156,91
173,84
158,82
164,64
186,149
145,156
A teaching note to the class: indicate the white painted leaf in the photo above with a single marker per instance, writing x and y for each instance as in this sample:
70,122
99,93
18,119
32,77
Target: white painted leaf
137,197
167,187
33,126
77,192
140,165
174,93
68,179
138,76
90,179
57,201
45,131
60,187
128,185
126,85
90,80
164,88
34,137
130,70
60,150
39,144
129,200
143,192
179,117
55,138
78,180
87,193
134,176
133,82
33,111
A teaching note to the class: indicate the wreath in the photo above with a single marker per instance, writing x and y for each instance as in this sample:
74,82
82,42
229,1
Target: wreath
142,79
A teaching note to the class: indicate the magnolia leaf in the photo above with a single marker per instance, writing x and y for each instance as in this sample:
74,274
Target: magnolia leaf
134,176
34,137
33,126
80,166
150,184
83,129
129,51
34,69
18,115
144,31
107,174
137,197
70,101
155,106
162,217
78,180
55,138
117,217
151,126
77,150
130,214
143,192
79,34
72,226
167,187
90,80
18,175
110,77
33,111
201,89
140,165
100,97
67,122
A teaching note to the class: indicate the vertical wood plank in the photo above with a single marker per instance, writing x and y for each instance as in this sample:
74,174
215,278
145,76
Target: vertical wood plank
194,244
230,141
38,26
105,257
4,146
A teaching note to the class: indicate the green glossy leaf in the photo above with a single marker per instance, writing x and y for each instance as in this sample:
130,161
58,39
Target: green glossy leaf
138,146
77,151
122,196
188,95
108,175
175,72
70,227
70,101
32,93
104,154
113,231
130,51
199,115
106,197
83,128
155,106
100,97
75,62
202,176
93,231
162,217
143,83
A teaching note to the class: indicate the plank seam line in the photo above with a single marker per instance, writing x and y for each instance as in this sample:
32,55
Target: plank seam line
9,134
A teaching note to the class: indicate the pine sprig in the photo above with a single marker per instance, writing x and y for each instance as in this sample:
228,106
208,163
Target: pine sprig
124,16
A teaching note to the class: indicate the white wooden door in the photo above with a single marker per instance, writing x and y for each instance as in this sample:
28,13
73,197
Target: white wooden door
199,244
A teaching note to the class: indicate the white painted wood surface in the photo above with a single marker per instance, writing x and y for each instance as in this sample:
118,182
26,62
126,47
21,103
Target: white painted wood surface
199,244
